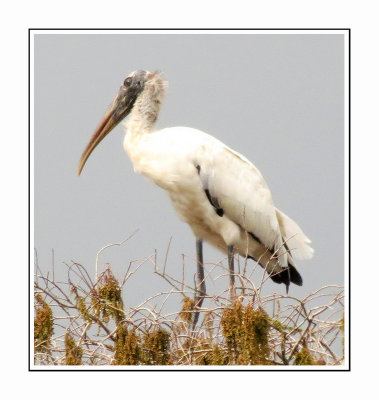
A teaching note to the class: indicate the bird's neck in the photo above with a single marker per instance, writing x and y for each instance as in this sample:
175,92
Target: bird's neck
146,109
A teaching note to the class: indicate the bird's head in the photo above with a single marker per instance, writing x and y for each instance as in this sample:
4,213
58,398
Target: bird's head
131,90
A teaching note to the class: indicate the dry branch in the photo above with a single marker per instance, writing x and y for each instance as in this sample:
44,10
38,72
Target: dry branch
93,326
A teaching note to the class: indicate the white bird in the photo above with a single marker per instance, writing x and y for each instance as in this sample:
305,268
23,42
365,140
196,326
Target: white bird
217,191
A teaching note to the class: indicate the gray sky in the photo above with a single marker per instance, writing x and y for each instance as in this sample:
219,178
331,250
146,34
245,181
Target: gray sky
277,99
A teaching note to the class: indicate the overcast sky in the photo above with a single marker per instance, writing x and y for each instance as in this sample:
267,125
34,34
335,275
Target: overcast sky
278,99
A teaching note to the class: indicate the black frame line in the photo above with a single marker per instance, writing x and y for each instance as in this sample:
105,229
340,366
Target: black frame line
221,369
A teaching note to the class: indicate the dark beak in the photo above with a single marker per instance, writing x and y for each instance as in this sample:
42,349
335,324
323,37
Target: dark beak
119,109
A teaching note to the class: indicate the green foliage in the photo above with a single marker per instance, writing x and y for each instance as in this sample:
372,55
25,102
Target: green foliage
236,335
127,349
152,348
73,352
217,356
107,299
186,312
155,347
304,357
43,325
245,338
246,334
211,355
83,309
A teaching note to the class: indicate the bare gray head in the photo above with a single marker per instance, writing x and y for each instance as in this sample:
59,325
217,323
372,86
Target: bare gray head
141,92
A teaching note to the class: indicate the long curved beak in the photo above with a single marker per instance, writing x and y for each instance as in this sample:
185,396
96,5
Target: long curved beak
119,109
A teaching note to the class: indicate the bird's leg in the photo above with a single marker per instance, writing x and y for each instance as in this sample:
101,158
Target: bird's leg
231,272
200,281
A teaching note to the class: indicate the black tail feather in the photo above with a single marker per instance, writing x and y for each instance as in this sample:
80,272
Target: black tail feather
295,276
287,275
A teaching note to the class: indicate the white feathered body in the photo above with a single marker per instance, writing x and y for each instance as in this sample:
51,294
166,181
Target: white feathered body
186,162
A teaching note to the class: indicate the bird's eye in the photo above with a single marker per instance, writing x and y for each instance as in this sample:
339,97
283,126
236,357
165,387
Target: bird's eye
127,82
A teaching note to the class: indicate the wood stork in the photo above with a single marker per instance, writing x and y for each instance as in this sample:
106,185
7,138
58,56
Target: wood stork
217,191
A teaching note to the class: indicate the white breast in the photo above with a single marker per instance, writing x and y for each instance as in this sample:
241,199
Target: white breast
169,158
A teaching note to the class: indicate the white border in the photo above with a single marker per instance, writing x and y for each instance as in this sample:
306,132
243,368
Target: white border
195,31
346,197
31,200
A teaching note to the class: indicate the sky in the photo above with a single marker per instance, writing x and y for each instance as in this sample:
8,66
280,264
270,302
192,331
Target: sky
276,98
